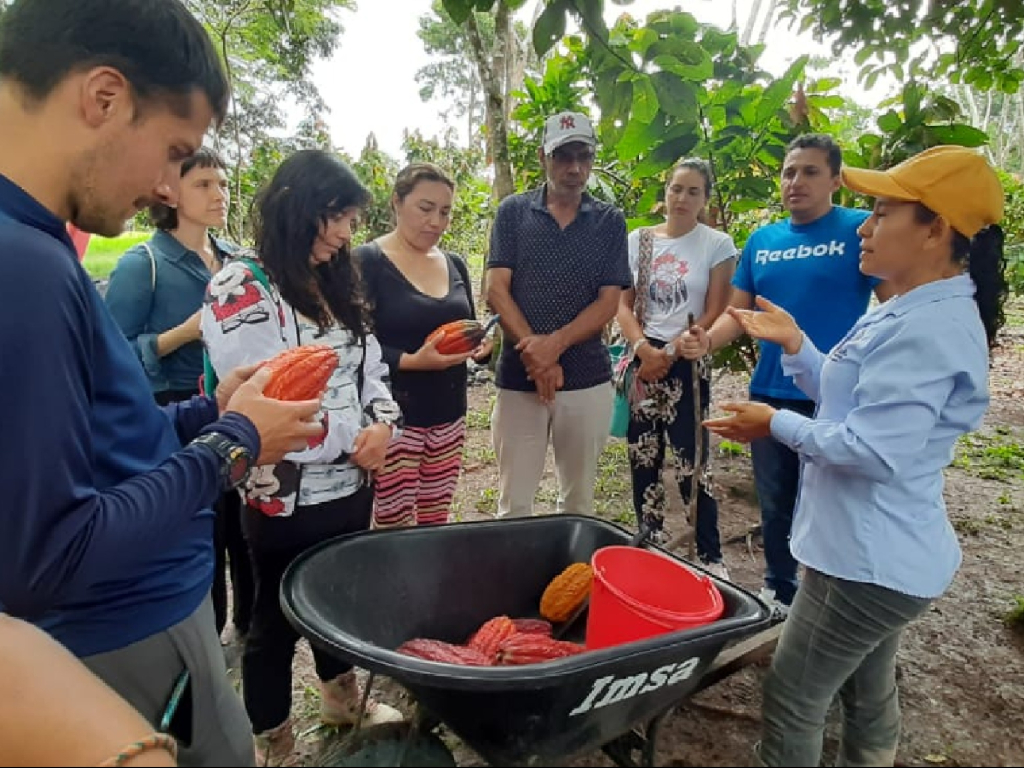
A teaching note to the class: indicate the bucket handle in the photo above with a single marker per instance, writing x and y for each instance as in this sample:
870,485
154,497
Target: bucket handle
638,539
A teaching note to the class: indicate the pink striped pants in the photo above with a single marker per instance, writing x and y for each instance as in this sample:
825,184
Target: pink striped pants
421,470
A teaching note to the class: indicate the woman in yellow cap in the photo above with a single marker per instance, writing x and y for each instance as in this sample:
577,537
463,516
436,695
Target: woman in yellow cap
893,396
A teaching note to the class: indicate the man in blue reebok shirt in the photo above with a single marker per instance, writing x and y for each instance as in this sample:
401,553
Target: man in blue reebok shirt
106,529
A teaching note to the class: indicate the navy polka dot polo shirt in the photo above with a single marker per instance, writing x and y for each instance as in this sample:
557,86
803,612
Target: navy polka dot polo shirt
556,274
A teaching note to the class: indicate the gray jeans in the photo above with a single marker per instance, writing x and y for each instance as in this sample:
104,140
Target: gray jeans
144,674
840,637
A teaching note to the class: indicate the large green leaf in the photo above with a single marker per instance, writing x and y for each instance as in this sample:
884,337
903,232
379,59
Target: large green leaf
825,84
676,96
642,39
826,102
890,122
777,95
591,15
665,154
645,100
459,10
639,137
958,133
701,69
550,26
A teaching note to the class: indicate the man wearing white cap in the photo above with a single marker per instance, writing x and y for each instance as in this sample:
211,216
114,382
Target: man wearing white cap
558,262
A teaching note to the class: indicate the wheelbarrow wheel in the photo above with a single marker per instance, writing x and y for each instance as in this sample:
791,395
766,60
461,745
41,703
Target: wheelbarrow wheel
389,744
638,747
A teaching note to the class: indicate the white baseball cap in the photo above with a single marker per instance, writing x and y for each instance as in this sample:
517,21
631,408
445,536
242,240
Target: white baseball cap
566,127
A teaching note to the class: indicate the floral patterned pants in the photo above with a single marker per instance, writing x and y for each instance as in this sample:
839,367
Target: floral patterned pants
664,417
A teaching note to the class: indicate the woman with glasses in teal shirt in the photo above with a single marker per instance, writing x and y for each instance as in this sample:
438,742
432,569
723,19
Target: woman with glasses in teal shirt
156,290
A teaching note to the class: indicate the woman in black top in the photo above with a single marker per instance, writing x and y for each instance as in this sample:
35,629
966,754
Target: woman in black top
414,287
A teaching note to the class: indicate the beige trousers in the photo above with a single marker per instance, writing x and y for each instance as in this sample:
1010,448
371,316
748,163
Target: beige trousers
576,425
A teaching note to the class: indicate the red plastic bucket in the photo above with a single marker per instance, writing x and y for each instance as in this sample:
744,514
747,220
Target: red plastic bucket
637,594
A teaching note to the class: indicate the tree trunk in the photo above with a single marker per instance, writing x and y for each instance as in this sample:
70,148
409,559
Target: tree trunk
471,139
766,24
237,231
967,99
490,69
748,28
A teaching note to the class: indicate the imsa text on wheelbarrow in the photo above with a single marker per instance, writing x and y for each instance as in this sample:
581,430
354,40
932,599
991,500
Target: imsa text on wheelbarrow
616,689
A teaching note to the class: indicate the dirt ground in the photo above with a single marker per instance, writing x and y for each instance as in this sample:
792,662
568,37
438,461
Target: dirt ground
962,665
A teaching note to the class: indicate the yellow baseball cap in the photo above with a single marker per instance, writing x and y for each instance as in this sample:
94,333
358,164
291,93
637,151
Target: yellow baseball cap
955,182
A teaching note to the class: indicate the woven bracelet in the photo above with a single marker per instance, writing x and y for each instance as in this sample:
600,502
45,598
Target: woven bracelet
151,742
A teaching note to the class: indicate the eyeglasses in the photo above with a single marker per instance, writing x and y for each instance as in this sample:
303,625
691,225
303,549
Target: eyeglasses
562,155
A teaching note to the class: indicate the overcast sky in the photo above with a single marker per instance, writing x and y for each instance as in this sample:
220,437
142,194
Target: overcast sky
369,84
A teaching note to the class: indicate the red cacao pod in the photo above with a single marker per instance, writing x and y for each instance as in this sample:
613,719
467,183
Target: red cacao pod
533,626
445,653
532,648
460,336
491,634
300,373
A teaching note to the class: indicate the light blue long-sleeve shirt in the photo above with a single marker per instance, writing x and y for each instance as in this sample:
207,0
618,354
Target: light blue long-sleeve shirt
893,396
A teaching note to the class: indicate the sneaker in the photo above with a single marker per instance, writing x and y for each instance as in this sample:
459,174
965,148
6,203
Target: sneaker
779,610
340,699
276,746
718,570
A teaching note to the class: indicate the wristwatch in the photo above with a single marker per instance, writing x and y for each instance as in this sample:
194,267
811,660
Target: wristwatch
236,460
671,351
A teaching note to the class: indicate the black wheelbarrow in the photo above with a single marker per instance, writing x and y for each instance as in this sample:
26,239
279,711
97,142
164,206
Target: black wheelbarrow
360,596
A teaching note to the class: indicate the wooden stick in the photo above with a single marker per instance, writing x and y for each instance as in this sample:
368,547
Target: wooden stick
698,451
750,650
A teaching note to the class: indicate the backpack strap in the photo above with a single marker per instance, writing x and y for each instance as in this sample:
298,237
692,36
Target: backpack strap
152,267
643,274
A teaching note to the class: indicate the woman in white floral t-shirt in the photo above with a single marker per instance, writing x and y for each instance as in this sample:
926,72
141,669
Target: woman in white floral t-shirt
687,270
301,287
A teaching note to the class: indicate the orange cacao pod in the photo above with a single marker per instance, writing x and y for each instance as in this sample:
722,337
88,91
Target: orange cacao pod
566,592
460,336
446,653
532,648
490,635
533,626
300,373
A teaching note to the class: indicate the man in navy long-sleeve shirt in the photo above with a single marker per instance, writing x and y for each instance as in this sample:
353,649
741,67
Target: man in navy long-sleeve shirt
106,528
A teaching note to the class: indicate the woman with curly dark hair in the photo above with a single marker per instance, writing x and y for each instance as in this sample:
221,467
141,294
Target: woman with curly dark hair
302,287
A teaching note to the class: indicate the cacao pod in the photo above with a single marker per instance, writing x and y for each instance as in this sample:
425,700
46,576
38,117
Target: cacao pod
460,336
533,626
300,373
445,653
532,648
490,635
566,592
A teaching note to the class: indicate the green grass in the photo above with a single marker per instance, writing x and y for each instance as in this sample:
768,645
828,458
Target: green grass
729,448
480,419
991,457
613,494
103,252
1014,617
